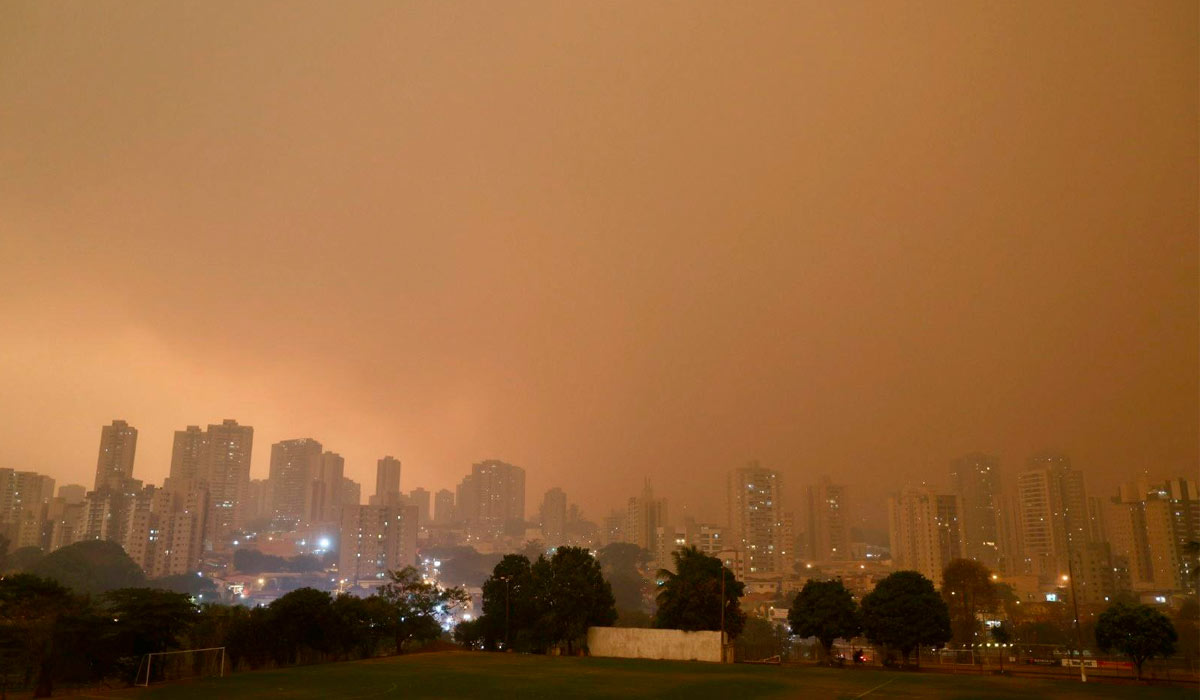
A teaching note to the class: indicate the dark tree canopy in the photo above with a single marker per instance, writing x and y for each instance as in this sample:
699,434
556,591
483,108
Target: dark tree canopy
191,584
903,612
93,566
22,559
690,597
300,623
548,603
574,596
825,610
1137,631
145,620
462,566
968,590
621,563
509,605
34,621
418,607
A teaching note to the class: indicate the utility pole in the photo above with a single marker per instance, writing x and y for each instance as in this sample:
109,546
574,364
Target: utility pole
1075,606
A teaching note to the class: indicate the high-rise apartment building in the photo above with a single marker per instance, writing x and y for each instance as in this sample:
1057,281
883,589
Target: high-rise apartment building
21,491
1008,526
975,478
114,464
376,539
188,468
72,493
709,538
443,507
257,504
420,498
294,463
24,502
755,517
923,527
491,499
351,492
1053,514
554,517
1150,526
147,532
644,515
325,491
226,480
387,482
612,528
828,522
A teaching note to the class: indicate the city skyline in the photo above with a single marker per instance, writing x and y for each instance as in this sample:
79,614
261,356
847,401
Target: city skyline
850,496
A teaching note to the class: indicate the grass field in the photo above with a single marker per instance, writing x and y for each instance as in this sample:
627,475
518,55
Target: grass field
473,675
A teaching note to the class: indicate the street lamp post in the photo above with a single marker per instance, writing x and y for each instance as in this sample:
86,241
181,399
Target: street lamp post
506,580
722,612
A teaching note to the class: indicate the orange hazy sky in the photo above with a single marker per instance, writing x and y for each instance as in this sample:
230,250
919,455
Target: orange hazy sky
604,240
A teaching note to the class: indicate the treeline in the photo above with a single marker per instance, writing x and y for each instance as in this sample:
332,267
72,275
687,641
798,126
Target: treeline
546,605
50,634
252,561
904,613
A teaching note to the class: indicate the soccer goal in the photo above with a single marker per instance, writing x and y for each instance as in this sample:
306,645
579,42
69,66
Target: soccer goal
177,665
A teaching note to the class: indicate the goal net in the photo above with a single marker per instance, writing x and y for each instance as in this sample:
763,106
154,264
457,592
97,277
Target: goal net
178,665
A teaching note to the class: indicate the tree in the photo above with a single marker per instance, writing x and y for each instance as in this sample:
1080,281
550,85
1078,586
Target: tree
301,621
968,590
825,610
532,549
418,607
362,624
146,621
904,612
573,596
93,566
1187,625
1002,637
469,633
1137,631
463,565
621,563
192,585
22,559
31,616
252,561
761,639
250,637
690,597
509,605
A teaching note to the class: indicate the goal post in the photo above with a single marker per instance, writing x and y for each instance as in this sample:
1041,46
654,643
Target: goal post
179,664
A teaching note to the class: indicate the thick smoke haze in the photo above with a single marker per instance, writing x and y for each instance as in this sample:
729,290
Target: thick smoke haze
604,241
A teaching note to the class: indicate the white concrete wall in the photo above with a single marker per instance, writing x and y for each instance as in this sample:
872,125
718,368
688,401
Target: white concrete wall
639,643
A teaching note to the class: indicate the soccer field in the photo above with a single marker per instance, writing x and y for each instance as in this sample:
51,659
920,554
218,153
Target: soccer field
474,675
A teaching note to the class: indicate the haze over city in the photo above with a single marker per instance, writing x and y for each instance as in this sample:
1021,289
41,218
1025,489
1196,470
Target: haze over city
605,241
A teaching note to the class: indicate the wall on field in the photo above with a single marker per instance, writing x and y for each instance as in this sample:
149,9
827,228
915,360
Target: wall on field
638,643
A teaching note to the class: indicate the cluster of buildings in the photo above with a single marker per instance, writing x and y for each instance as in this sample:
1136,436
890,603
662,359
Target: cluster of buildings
1043,534
1040,530
165,529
